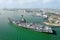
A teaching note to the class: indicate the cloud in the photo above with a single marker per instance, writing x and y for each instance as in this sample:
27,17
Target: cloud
5,1
34,1
24,1
28,3
46,1
17,1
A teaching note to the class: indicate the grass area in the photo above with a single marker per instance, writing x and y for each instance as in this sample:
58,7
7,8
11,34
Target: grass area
49,14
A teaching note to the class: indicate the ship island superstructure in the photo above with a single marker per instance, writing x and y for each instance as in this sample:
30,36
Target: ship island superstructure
36,27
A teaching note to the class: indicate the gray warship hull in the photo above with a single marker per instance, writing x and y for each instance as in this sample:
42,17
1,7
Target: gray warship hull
35,27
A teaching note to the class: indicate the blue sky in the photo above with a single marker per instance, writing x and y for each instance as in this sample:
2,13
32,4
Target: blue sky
55,4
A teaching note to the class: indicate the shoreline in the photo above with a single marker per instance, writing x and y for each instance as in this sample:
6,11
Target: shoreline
50,24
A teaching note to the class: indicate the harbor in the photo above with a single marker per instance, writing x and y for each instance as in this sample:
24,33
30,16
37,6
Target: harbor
29,19
14,32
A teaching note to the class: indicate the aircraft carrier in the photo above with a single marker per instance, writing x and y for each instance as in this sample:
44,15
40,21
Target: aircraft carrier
36,27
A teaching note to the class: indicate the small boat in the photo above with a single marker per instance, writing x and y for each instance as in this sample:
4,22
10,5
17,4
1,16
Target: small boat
41,15
35,27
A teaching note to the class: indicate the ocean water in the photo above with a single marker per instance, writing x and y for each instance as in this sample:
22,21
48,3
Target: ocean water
9,31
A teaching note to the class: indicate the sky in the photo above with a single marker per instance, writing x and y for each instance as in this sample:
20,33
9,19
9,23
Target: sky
54,4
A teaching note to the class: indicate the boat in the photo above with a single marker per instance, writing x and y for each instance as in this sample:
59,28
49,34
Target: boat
36,27
41,15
